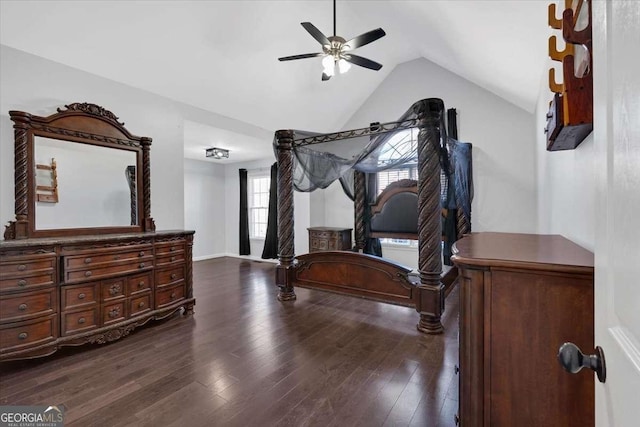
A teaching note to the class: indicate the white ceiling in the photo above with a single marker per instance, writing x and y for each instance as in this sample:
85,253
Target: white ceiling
221,56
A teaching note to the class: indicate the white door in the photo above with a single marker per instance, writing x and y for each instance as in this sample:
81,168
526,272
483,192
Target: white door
616,55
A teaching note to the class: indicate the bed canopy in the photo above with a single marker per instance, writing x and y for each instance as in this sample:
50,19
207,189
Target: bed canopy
308,161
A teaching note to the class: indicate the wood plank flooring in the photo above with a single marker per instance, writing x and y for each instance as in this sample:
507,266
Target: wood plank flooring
246,359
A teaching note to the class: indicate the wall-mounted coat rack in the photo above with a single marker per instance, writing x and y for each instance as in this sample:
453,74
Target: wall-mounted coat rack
570,116
47,193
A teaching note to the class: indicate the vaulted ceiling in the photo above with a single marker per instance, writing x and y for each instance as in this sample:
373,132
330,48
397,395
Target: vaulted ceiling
221,56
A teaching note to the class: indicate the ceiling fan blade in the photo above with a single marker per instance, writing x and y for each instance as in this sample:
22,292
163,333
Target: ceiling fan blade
316,33
325,77
363,62
364,39
303,56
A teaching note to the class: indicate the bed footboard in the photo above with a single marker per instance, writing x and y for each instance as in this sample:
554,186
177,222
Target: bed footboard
356,274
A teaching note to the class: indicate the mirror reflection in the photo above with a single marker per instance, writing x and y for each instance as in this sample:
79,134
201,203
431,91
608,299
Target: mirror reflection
83,185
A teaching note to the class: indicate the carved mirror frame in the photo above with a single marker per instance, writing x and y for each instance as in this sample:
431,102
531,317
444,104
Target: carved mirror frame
83,123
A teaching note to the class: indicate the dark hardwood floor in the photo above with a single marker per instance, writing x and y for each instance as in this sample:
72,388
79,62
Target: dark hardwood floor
246,359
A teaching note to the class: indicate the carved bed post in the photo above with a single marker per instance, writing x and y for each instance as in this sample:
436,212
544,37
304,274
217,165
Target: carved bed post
285,268
147,221
359,188
430,302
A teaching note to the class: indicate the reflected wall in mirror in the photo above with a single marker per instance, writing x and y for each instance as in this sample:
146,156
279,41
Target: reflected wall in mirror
102,175
92,183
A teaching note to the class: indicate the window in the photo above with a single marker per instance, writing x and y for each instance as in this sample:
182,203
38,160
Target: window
258,205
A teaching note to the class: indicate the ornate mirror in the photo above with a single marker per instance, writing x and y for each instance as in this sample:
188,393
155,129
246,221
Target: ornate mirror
77,172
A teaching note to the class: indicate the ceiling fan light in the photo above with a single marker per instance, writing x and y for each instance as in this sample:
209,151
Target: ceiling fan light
329,64
343,66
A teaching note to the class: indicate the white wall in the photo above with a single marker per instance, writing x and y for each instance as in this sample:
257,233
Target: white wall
566,182
204,205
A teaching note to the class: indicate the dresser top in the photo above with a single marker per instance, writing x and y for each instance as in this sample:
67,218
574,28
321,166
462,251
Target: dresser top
45,241
526,251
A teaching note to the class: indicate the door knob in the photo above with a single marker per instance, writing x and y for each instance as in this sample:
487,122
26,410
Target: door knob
573,360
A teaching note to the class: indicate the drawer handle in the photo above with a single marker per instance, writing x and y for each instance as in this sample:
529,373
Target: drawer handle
141,265
173,276
81,296
172,249
173,258
87,260
22,307
88,273
141,284
22,283
173,295
115,289
81,320
23,336
141,253
141,305
22,267
117,257
114,313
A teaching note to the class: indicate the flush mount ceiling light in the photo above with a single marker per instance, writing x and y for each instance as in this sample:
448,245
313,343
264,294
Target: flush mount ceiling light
336,50
217,153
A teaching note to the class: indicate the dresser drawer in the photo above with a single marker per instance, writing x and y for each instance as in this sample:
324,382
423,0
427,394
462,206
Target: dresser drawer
73,262
113,312
23,283
170,248
74,296
24,305
139,283
113,289
107,271
169,295
140,304
80,321
169,276
11,267
169,259
31,332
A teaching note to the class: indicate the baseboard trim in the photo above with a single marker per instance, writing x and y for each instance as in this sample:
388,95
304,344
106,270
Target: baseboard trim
204,257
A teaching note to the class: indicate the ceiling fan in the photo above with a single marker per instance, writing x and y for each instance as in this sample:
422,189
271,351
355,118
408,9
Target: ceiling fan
337,51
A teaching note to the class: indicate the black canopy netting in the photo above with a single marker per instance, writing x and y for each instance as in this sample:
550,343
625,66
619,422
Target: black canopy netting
318,164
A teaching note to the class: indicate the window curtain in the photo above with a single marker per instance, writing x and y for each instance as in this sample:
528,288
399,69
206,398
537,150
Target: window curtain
245,247
270,249
372,244
449,222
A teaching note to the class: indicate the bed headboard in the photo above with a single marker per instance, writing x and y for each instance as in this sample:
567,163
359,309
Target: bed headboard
395,213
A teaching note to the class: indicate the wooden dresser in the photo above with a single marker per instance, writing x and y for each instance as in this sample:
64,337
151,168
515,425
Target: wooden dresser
89,289
329,239
521,297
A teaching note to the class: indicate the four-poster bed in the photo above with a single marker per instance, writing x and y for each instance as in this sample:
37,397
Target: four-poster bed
356,273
